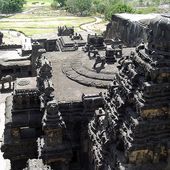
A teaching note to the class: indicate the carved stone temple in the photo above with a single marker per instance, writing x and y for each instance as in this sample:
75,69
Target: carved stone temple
67,115
131,132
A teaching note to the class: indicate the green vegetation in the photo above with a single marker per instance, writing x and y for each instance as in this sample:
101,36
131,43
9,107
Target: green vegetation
81,7
117,8
147,10
40,18
41,22
11,6
109,7
58,3
87,7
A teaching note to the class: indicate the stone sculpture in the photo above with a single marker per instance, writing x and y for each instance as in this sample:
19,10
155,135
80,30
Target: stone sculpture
99,59
6,79
65,31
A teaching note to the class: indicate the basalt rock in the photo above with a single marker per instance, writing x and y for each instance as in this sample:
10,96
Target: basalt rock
131,29
131,131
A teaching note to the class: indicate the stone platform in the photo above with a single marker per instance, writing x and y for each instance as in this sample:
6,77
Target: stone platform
80,69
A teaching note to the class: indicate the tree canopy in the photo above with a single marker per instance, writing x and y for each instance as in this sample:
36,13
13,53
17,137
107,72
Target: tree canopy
109,7
79,6
117,8
61,3
11,6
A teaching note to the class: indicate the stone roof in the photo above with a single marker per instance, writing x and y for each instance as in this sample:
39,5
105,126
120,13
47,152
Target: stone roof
13,58
138,17
66,89
29,83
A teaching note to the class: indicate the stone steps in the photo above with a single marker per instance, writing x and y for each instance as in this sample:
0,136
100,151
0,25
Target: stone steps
81,78
78,67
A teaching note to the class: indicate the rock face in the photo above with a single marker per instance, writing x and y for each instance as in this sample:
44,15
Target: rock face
130,28
131,132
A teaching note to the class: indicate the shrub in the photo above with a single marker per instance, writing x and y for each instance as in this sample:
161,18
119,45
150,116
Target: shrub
117,8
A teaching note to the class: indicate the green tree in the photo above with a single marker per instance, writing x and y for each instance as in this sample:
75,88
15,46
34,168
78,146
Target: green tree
117,8
60,2
11,6
99,6
157,2
141,2
79,6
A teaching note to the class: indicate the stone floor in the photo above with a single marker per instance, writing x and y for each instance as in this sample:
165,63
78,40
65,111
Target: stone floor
80,69
65,89
76,66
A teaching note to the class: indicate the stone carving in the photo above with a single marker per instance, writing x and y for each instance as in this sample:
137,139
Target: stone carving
45,69
92,50
6,79
76,37
65,31
130,32
125,128
99,59
97,41
135,117
159,39
23,82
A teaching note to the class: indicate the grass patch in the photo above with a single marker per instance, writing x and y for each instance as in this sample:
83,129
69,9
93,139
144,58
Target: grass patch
41,19
147,10
42,25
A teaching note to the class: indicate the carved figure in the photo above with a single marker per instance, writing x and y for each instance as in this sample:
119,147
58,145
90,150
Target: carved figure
6,79
65,31
99,59
94,52
52,107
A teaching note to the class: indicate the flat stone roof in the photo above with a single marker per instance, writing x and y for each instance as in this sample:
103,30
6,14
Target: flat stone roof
49,36
10,54
29,83
138,17
67,90
13,58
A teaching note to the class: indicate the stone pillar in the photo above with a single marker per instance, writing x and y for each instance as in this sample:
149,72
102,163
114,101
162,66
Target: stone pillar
1,38
34,56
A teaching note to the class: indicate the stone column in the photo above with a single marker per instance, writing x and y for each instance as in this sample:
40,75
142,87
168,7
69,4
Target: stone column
34,56
1,38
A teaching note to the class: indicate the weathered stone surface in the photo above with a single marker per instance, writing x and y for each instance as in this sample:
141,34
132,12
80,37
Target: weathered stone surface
75,70
131,131
130,28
